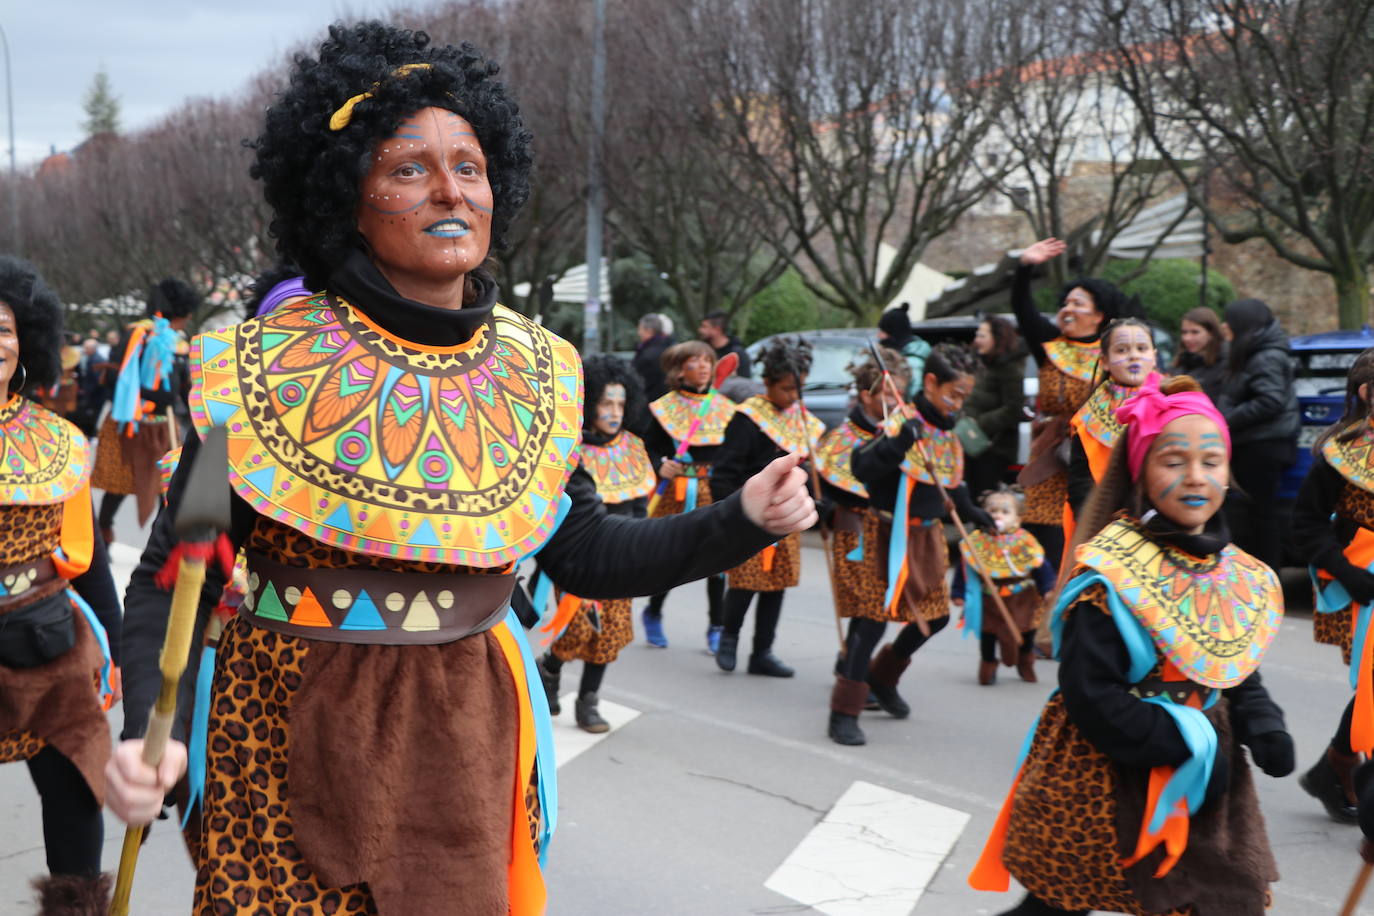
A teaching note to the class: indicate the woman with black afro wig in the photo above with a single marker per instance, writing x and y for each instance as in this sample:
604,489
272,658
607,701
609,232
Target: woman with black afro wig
147,403
1066,351
617,462
397,443
61,613
764,427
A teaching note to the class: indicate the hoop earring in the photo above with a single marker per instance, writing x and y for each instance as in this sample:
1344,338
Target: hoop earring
23,379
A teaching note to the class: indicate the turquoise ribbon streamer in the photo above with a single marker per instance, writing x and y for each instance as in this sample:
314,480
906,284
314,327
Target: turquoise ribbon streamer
857,554
124,405
1190,779
159,350
200,731
1334,598
101,638
546,764
690,502
896,546
973,602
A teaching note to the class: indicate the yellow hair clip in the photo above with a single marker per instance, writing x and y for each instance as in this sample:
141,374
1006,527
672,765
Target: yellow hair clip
339,119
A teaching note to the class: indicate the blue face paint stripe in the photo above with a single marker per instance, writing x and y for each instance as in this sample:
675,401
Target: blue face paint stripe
416,206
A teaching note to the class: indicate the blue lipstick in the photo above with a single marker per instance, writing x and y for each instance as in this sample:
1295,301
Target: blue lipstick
451,228
1194,501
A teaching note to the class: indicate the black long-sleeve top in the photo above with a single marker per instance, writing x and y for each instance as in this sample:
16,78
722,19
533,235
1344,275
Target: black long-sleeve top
878,464
1093,680
592,554
1319,538
745,451
1080,477
1036,327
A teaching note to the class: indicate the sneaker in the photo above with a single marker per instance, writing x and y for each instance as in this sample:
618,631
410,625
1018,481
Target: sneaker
713,639
653,630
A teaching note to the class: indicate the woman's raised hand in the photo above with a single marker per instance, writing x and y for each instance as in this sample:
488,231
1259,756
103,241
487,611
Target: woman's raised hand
1042,251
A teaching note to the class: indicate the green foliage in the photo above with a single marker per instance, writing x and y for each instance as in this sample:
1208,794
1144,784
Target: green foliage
1168,288
784,305
101,107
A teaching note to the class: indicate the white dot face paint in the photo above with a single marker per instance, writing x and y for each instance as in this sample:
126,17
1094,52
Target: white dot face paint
1130,355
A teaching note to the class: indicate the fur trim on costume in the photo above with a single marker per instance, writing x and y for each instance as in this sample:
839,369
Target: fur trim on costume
73,895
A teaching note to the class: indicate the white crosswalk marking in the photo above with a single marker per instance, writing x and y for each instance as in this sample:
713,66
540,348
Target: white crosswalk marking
569,741
873,854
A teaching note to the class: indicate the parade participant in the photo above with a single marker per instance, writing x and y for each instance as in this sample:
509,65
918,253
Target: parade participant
763,428
395,444
624,478
1160,631
859,532
148,404
1128,360
1333,525
687,427
1015,561
59,613
904,471
1066,351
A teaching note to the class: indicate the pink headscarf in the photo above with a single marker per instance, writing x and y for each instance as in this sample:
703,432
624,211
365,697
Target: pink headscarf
1151,410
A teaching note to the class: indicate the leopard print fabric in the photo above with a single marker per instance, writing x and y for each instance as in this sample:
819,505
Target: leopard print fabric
860,586
598,645
668,504
19,745
112,472
1337,628
785,572
31,532
1357,505
1045,501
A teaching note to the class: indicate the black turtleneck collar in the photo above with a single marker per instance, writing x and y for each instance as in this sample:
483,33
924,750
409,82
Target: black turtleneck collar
931,415
595,437
862,420
360,282
1214,535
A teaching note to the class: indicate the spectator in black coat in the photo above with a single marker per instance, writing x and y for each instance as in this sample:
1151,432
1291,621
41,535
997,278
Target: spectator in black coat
1203,352
998,402
1261,408
715,330
653,340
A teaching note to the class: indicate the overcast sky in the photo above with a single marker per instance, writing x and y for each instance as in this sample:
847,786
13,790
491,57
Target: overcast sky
157,54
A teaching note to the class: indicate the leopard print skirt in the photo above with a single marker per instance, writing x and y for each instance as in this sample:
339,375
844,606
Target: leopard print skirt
113,473
668,503
784,571
1045,501
17,745
599,630
860,584
1335,629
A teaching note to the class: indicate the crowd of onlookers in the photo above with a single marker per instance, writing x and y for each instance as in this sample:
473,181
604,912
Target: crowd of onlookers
88,376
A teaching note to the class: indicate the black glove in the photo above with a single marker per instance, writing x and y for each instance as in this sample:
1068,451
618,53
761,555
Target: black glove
825,512
1273,753
980,518
909,433
1358,582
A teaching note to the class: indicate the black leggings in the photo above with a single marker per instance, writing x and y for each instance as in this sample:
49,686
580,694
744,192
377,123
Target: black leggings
591,674
911,638
1051,537
715,601
988,644
861,639
109,507
765,616
72,827
1341,740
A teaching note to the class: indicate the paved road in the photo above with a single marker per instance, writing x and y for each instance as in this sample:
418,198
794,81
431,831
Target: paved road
720,794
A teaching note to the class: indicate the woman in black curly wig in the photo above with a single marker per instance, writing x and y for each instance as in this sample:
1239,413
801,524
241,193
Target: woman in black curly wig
397,444
61,614
596,631
148,403
764,427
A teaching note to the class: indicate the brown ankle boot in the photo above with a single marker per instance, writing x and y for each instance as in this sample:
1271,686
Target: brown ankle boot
883,674
1025,666
73,895
987,673
846,703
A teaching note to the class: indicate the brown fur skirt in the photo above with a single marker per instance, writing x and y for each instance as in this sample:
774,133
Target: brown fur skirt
783,571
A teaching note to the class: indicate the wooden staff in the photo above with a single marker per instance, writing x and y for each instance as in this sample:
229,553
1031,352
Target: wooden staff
825,535
953,512
201,516
1352,899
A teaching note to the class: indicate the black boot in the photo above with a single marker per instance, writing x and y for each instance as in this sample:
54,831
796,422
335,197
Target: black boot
769,665
883,675
588,717
1327,782
1034,906
73,895
725,653
550,677
846,702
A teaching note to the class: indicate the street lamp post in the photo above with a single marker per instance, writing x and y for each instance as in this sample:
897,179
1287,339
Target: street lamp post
9,108
591,325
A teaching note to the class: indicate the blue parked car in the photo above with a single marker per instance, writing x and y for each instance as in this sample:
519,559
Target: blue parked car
1320,365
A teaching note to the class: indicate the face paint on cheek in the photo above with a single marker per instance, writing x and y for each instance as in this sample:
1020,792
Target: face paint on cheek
1216,484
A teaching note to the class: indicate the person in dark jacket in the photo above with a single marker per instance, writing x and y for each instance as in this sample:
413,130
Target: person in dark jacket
653,340
997,403
894,332
1261,408
1204,350
715,330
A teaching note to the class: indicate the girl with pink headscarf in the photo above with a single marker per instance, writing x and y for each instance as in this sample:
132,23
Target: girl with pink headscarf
1133,794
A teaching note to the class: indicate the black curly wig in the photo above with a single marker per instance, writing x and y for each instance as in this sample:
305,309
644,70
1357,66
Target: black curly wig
311,174
602,370
786,356
37,319
264,283
1106,295
172,298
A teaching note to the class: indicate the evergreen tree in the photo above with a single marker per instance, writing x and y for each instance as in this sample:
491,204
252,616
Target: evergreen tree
101,107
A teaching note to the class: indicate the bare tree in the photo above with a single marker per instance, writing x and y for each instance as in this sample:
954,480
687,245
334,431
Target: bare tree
1274,101
857,124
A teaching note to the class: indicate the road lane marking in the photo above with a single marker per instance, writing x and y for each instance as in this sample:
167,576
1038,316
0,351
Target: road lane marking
873,854
569,741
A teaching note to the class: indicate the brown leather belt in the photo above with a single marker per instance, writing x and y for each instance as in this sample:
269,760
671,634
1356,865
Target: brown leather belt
1178,691
25,583
373,607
